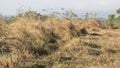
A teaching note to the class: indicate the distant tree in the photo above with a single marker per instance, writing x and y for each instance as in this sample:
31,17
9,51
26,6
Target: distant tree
90,15
111,18
70,14
118,11
31,14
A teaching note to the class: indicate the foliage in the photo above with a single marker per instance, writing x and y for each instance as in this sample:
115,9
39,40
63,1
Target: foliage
70,14
114,19
31,14
111,18
118,11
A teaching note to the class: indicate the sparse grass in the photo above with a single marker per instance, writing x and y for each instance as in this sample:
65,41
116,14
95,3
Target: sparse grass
58,43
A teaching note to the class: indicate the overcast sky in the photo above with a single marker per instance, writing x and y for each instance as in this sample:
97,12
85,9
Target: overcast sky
9,7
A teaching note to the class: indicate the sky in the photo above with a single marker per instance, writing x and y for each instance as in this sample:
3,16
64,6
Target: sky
11,7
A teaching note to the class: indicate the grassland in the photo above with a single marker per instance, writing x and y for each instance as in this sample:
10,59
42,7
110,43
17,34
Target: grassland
58,43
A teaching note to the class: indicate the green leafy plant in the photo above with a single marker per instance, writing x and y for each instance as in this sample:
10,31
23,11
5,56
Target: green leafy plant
111,18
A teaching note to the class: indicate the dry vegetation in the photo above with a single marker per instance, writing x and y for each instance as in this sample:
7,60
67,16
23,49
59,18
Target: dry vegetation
58,43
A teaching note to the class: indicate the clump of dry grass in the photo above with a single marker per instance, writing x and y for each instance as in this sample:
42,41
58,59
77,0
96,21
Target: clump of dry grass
35,38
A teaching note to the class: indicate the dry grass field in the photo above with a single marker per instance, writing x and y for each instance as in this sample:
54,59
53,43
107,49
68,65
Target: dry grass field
59,43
